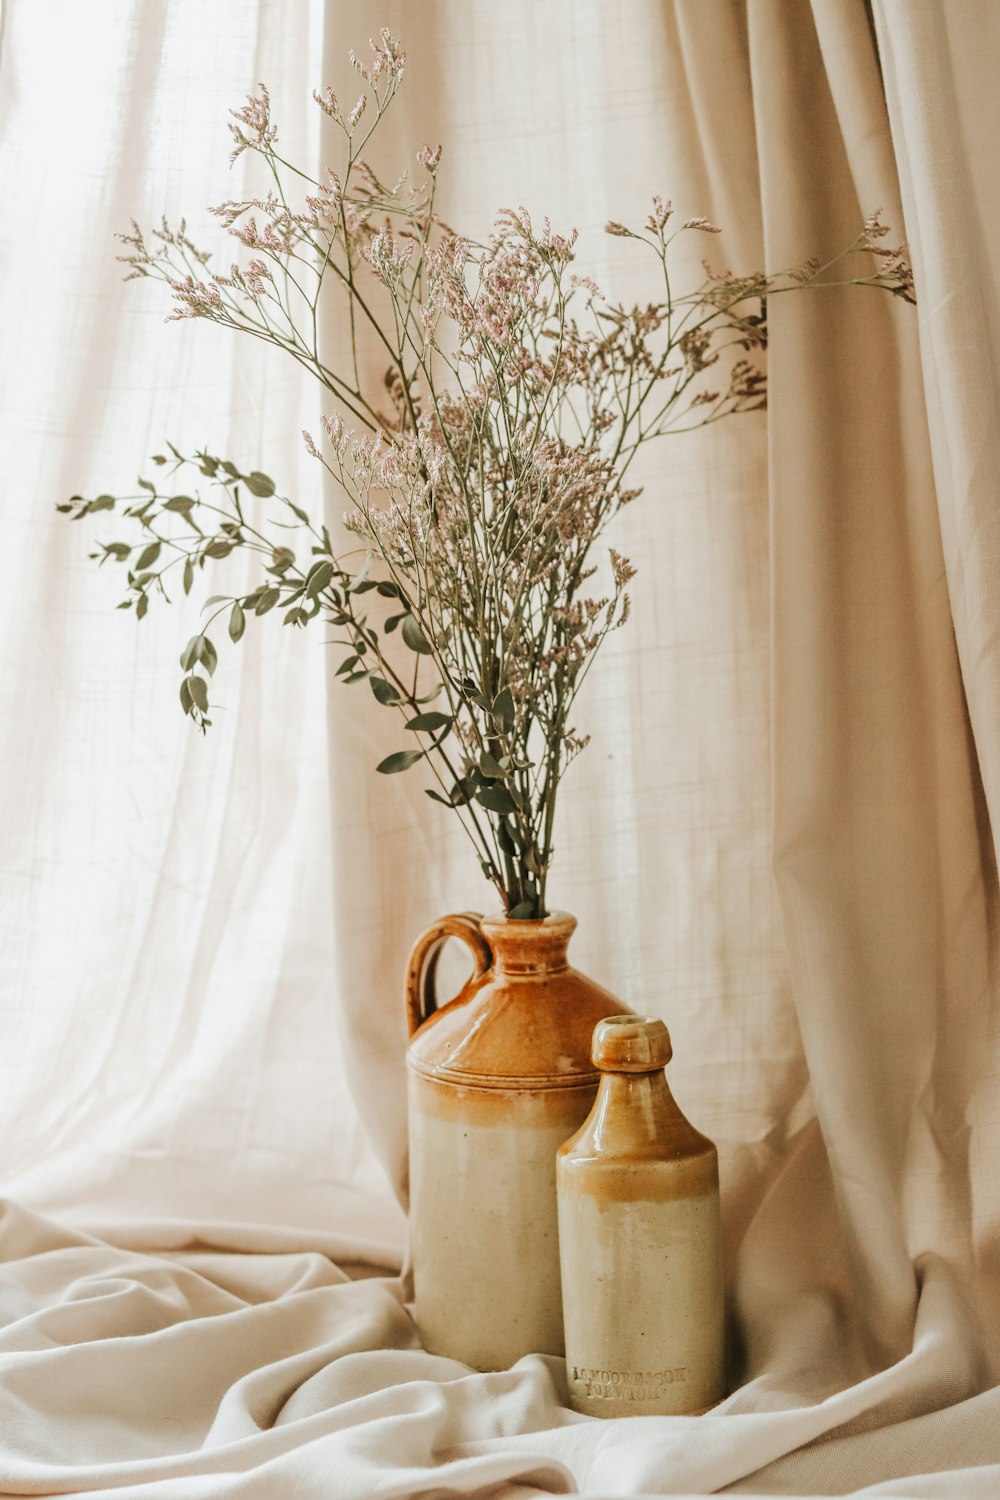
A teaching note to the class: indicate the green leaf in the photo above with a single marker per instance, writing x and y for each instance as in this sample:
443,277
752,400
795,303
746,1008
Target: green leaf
503,709
188,575
296,617
384,691
147,556
402,760
523,911
437,797
237,622
218,549
318,577
429,723
141,607
496,798
181,503
230,469
348,665
415,638
189,655
198,688
103,502
207,654
388,589
490,766
158,458
298,512
282,559
145,485
259,484
267,600
186,700
393,621
356,676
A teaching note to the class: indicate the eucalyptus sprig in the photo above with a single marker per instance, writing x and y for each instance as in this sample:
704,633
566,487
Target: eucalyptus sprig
480,477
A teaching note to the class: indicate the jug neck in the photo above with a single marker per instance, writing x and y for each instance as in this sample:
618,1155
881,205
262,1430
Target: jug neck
530,949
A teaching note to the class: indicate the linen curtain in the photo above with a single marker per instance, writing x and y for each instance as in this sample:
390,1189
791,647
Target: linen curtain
780,839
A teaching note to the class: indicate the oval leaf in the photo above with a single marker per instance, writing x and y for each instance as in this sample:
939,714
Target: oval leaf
237,622
385,692
207,654
428,723
503,709
190,653
319,576
496,798
402,760
414,637
198,688
147,557
259,484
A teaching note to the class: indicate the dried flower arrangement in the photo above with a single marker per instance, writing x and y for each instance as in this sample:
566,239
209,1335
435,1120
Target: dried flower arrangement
480,478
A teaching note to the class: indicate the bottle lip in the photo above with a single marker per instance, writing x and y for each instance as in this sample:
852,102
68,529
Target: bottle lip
631,1044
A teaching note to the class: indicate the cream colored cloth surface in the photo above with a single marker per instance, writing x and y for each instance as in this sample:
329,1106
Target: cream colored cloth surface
250,1362
779,840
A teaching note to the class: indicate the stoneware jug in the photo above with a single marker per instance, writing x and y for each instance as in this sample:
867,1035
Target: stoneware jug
498,1078
640,1238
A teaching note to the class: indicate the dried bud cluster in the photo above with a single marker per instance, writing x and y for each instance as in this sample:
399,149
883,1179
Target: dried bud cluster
484,469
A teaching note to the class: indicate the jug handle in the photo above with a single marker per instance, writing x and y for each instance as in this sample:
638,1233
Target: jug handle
421,1000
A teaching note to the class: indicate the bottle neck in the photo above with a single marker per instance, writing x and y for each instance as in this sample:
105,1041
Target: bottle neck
633,1111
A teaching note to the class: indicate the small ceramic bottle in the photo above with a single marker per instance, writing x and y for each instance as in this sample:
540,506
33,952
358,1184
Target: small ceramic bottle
639,1240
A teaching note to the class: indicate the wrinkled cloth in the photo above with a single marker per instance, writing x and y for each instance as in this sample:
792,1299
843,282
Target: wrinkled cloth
245,1362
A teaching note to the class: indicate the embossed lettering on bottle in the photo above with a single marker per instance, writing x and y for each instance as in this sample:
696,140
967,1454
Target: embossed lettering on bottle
639,1238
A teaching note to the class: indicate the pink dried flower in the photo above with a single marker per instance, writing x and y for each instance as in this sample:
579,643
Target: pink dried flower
256,116
327,101
661,213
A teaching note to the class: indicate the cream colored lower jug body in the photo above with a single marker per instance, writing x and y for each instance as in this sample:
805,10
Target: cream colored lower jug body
643,1304
484,1242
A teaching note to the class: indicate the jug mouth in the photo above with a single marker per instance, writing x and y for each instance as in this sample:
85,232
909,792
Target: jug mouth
533,945
553,921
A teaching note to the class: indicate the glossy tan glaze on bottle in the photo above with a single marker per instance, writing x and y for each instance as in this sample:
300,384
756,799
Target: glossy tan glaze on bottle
497,1080
640,1240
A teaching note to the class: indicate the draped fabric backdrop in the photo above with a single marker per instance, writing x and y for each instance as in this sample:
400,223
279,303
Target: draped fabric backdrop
780,839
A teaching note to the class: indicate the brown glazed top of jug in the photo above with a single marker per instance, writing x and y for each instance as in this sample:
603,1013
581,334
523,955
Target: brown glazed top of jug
527,1022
